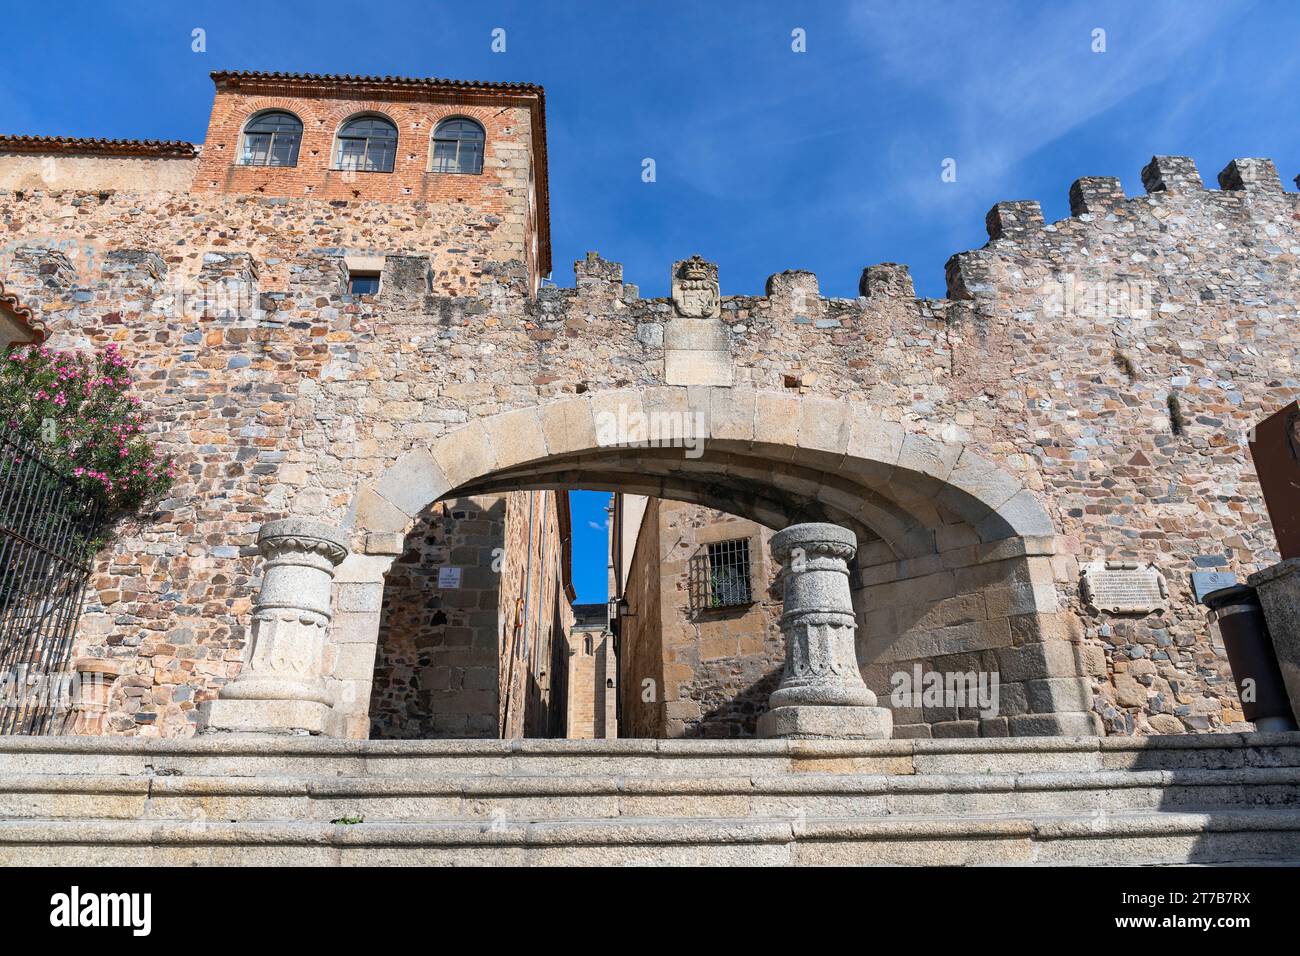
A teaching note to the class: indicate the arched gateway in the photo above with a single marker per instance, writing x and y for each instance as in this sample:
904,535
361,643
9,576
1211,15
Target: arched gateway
952,571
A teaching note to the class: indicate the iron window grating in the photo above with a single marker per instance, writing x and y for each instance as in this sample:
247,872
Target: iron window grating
720,575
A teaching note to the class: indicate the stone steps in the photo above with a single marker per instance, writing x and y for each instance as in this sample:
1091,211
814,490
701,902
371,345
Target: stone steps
1213,799
317,757
394,799
1132,838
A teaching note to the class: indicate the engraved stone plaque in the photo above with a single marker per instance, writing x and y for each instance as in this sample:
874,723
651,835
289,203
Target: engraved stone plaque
1124,587
1204,582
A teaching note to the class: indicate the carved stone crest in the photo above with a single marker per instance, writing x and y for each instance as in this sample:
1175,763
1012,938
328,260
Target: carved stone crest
695,289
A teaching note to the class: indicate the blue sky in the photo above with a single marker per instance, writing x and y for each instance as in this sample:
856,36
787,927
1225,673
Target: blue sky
765,159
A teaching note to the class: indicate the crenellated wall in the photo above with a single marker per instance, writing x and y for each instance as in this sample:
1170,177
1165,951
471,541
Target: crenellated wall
1055,355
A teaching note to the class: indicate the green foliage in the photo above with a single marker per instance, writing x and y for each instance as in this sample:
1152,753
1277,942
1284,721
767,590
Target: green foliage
1125,365
80,412
1177,423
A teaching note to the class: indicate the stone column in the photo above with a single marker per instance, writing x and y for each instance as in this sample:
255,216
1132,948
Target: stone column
282,687
1278,588
822,693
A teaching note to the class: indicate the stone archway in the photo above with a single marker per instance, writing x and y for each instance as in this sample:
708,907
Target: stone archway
954,563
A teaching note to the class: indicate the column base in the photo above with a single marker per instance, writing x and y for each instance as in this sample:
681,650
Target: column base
263,716
808,721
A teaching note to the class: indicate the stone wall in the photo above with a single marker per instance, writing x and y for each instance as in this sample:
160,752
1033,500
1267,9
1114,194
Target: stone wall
1109,363
536,615
641,662
436,667
719,664
42,173
592,685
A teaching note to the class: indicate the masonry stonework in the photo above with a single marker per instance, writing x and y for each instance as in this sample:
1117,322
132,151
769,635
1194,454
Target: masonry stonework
719,664
1082,393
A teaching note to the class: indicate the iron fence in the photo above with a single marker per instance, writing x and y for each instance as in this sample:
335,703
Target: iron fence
48,527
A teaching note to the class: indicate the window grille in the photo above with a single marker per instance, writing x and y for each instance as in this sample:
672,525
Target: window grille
720,576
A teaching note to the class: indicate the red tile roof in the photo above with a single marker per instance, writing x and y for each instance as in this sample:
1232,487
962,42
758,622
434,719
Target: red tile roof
76,145
335,79
9,303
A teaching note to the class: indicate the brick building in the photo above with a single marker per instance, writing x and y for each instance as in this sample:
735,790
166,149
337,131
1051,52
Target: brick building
335,314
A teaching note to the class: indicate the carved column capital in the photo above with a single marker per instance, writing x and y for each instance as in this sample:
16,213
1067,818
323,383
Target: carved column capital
822,693
281,687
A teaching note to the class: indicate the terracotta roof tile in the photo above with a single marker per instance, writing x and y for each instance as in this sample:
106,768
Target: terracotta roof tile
97,147
9,303
337,78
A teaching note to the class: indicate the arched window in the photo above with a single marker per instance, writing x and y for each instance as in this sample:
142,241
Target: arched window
367,144
458,147
271,139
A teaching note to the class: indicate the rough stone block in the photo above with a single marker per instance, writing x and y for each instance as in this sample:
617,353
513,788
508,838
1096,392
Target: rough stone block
516,437
1036,661
374,512
263,716
824,426
731,414
1055,725
464,454
871,723
1059,694
568,426
776,422
697,367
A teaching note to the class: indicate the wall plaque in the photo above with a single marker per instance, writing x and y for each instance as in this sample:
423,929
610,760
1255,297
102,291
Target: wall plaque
1124,587
1204,582
449,577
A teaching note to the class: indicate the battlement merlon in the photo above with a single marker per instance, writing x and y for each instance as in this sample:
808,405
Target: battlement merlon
1249,190
1250,197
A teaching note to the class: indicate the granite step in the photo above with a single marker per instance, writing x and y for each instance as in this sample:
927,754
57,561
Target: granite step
1213,799
1264,837
312,756
518,797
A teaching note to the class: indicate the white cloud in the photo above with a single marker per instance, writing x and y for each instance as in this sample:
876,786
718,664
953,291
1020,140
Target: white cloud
1007,82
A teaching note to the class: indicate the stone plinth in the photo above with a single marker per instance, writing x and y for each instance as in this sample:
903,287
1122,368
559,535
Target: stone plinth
1278,588
282,686
95,677
822,693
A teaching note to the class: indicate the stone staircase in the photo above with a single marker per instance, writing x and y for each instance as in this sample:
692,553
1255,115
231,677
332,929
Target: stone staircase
1229,799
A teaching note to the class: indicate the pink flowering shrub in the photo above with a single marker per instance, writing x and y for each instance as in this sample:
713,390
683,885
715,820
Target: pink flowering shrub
79,411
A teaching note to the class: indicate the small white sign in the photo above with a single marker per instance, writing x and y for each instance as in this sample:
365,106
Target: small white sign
449,577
